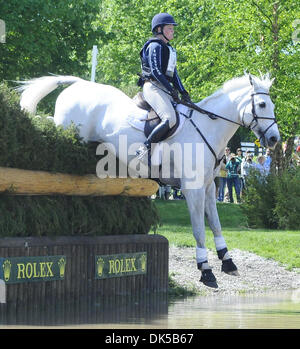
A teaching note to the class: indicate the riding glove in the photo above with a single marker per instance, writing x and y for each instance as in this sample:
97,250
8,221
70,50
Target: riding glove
186,97
175,96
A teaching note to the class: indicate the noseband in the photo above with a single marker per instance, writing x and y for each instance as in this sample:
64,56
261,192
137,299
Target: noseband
256,117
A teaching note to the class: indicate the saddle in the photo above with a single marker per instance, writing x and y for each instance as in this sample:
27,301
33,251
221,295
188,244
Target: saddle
153,119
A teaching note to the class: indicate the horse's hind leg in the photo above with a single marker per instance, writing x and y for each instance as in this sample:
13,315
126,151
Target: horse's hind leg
213,220
195,201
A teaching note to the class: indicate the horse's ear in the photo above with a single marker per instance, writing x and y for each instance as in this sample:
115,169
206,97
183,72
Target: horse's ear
253,82
267,77
250,79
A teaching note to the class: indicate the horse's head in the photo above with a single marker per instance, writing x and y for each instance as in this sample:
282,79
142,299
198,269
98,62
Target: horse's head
258,113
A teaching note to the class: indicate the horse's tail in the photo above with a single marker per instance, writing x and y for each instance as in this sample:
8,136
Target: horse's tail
36,89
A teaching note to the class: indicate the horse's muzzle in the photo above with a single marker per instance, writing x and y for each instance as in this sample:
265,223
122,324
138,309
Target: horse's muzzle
272,141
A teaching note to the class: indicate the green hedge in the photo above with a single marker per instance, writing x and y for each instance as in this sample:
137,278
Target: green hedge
273,201
34,143
70,215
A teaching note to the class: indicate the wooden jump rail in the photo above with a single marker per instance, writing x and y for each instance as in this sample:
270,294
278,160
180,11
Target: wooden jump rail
26,182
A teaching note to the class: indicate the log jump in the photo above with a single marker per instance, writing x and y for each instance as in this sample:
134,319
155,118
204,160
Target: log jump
27,182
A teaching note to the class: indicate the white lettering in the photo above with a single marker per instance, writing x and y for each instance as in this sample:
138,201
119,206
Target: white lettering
122,339
183,161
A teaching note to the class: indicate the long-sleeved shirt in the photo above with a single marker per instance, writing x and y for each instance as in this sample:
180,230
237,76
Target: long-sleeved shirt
155,56
232,168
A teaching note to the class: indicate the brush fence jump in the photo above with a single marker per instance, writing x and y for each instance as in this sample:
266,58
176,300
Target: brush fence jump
60,280
27,182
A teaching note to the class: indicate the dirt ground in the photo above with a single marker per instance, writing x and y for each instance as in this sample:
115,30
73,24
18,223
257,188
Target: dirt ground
257,274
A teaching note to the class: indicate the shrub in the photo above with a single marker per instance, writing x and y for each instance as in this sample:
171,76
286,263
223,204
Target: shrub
287,198
35,143
273,201
70,215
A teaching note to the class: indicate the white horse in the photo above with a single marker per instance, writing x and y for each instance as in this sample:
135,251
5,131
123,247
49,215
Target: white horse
101,113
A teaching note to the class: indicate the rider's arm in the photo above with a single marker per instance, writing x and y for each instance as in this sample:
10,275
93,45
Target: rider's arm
155,62
177,82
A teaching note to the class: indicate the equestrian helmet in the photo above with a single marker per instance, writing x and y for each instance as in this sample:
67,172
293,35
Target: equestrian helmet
162,19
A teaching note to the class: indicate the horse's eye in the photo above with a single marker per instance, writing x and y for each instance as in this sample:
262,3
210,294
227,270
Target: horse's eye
262,104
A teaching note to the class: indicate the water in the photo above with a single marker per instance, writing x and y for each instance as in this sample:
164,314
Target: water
265,311
278,310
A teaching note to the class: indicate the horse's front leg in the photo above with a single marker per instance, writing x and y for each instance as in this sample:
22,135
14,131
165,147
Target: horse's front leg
214,222
195,199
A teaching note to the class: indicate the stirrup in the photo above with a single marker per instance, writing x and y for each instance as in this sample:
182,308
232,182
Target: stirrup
141,152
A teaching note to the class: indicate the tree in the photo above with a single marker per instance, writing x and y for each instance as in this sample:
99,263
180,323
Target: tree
45,36
216,40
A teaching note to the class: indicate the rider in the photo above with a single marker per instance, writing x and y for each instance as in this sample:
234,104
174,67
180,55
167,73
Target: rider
160,79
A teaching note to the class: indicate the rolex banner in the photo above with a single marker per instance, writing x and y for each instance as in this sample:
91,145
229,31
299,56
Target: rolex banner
47,268
26,269
118,265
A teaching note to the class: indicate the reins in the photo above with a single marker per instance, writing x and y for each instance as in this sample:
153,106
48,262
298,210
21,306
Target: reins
215,116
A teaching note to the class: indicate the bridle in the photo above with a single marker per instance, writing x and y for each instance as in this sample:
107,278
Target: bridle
255,119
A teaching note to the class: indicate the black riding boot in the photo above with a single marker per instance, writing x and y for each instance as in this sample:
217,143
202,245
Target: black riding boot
155,136
157,133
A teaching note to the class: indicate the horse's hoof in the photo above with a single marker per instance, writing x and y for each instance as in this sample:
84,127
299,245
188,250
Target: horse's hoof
208,278
229,267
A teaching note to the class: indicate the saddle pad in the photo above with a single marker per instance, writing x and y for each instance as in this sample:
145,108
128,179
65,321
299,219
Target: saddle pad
137,119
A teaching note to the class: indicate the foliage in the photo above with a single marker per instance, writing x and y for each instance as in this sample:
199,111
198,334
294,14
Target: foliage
47,36
287,194
70,215
273,201
35,143
215,40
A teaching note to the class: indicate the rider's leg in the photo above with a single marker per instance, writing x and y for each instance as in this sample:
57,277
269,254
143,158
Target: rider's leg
157,133
161,103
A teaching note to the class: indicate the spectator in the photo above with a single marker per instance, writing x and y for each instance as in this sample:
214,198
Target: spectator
239,154
261,166
232,167
227,157
222,178
177,194
246,166
239,157
168,190
296,156
162,192
227,154
268,158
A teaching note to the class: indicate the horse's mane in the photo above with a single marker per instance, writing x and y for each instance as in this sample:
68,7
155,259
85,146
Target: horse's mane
238,83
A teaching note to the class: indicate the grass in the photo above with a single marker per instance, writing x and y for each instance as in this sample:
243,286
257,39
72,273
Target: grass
282,246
